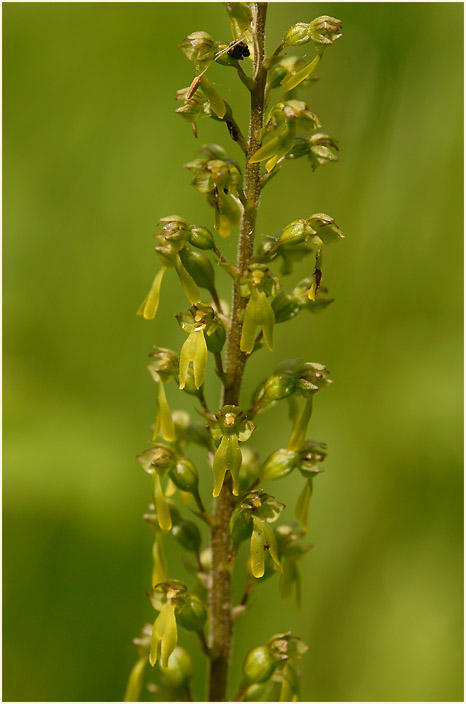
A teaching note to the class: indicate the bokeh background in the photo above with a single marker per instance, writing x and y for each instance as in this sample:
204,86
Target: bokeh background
93,157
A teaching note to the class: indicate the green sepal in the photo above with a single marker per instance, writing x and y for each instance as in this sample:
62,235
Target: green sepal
164,634
194,350
302,505
149,306
135,681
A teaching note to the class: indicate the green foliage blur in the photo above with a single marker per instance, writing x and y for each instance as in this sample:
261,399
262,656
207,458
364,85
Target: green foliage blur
93,157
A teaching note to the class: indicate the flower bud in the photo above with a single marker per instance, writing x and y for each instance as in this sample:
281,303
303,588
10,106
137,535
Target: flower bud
296,232
201,237
162,459
265,692
175,229
187,534
240,526
184,475
285,306
298,34
199,267
179,669
326,231
325,30
279,464
163,365
279,386
198,47
259,665
192,614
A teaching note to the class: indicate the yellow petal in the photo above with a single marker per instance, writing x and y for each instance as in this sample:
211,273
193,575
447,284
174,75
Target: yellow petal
294,79
163,512
149,306
167,425
134,686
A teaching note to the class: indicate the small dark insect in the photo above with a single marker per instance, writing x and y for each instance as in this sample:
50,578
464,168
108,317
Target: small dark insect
232,130
239,51
318,276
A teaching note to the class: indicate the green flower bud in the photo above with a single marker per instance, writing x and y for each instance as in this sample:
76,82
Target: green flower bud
240,525
201,237
266,692
285,306
179,670
157,460
296,232
198,47
259,665
174,230
298,34
279,386
188,535
279,464
192,615
163,365
327,232
325,30
185,476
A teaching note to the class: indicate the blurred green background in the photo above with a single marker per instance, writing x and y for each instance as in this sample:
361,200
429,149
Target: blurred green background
93,157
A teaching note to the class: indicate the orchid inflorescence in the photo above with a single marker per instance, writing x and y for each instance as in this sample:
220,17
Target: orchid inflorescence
288,130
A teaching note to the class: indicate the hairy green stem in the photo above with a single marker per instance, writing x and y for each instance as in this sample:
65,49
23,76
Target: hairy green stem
221,627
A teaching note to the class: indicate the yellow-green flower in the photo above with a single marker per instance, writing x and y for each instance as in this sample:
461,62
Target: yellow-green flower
258,313
194,350
164,635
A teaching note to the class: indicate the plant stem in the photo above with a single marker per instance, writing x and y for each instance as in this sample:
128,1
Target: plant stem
221,627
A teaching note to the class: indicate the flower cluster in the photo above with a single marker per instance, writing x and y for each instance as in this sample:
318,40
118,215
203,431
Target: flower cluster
220,338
